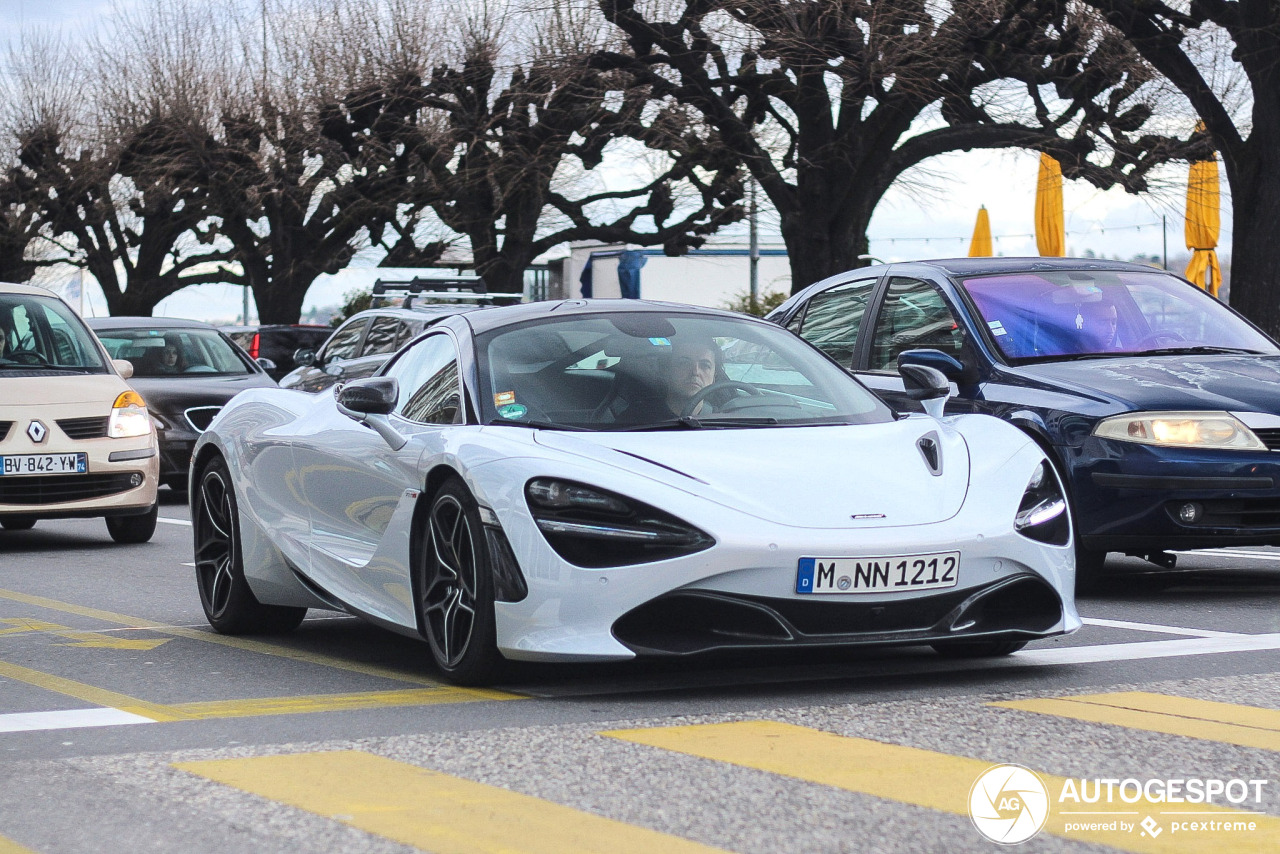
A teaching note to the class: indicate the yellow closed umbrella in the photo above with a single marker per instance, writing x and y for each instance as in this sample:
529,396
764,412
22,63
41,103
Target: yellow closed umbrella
980,245
1051,236
1202,224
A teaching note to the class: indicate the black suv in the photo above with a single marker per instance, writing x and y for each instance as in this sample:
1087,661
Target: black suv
278,342
368,339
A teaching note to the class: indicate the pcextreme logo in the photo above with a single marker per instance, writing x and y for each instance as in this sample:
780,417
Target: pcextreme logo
1009,804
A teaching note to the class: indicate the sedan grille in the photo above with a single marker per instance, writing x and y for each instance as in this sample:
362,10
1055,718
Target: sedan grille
200,417
1270,437
85,428
4,429
57,488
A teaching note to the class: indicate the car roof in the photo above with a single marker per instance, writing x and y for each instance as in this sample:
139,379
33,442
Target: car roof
33,290
494,318
417,312
1034,264
147,322
255,327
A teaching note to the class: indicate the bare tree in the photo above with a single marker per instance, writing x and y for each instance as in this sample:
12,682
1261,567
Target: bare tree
1244,37
829,102
19,230
513,127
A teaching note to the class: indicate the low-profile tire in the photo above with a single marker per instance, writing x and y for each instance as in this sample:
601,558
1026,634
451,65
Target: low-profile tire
455,589
1090,568
977,648
129,530
18,523
229,605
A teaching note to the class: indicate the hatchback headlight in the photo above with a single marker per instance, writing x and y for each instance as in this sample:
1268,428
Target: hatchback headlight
1042,515
129,417
1180,430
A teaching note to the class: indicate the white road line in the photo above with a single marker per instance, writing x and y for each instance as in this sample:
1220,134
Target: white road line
68,719
1151,627
1146,649
184,522
1245,555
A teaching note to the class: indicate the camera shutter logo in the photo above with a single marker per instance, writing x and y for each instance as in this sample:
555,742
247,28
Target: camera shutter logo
1009,804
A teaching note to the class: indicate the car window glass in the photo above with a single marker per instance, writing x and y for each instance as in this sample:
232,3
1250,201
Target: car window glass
43,333
158,352
832,319
428,378
405,333
382,337
343,343
914,315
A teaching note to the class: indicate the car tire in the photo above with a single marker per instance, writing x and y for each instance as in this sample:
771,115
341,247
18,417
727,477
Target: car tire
1090,568
130,530
977,648
229,605
18,523
455,589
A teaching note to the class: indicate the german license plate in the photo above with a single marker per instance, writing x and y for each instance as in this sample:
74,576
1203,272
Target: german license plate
20,464
878,574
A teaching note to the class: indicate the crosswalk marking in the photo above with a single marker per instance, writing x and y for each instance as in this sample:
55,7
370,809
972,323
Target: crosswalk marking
429,810
1246,726
913,776
68,719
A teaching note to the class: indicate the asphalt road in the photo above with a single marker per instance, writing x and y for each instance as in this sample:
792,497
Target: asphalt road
126,725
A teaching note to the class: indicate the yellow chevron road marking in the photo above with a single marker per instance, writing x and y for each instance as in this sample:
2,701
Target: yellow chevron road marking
325,703
932,780
8,846
89,693
429,810
1247,726
95,640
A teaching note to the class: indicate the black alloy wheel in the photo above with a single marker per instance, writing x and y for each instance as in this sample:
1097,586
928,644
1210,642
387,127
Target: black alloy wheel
229,604
455,589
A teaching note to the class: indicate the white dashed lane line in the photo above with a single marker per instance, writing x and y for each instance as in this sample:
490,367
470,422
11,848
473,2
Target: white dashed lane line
186,523
68,719
1157,629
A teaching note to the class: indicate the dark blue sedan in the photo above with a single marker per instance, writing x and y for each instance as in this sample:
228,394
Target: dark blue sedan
1160,405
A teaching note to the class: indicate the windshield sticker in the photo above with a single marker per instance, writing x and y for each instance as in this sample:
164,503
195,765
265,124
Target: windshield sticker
660,342
502,398
513,411
997,328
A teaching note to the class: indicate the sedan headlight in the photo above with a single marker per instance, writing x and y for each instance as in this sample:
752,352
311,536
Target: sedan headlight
1042,515
1180,430
594,528
129,417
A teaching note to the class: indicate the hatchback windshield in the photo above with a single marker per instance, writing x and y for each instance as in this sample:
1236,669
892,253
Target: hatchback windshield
1089,314
649,371
43,334
167,351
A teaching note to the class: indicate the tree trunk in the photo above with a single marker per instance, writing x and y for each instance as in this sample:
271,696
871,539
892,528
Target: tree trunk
280,300
821,246
1255,263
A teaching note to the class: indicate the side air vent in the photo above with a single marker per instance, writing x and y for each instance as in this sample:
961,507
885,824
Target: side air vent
931,450
200,417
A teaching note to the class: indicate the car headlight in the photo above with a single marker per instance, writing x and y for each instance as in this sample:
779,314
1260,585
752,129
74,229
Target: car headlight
1180,430
594,528
1042,515
129,417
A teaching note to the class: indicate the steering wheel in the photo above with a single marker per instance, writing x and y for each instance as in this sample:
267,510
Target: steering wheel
26,357
1159,339
702,395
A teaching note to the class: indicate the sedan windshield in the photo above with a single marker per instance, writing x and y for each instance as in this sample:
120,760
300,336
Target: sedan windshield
42,334
162,352
1048,316
651,371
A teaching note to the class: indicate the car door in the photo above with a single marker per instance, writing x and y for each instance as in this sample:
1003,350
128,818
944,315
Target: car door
832,319
912,314
330,364
362,492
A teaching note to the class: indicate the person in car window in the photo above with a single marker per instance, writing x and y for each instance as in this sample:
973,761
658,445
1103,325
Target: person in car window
694,365
1098,324
170,358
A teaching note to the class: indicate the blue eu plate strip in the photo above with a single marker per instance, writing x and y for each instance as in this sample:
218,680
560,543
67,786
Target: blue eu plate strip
804,577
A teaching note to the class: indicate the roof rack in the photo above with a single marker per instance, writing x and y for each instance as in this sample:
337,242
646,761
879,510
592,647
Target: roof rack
470,289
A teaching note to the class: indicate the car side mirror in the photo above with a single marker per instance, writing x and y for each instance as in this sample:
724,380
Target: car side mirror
928,385
304,357
266,364
370,401
123,367
950,367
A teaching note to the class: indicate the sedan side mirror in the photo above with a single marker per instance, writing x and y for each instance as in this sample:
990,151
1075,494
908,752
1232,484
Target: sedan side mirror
927,385
123,367
266,364
950,367
304,357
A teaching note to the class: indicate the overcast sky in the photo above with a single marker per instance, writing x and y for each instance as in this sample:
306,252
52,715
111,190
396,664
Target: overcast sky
932,222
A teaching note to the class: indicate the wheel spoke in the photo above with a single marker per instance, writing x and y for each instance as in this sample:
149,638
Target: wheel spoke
449,584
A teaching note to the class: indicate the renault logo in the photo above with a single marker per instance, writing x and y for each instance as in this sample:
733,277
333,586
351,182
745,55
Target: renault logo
37,431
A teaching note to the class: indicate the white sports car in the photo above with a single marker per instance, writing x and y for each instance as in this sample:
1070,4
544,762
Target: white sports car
597,480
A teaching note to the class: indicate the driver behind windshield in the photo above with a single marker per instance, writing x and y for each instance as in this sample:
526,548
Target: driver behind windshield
684,373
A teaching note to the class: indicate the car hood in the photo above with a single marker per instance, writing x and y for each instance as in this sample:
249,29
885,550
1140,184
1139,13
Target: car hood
183,392
61,389
1217,382
805,477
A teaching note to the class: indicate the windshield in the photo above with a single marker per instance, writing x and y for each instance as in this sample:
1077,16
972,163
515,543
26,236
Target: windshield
647,371
162,352
42,334
1046,316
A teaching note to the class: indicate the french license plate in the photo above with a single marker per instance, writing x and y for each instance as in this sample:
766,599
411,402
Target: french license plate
20,464
878,574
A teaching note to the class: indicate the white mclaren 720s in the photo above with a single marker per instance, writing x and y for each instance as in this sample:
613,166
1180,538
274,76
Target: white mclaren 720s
600,480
